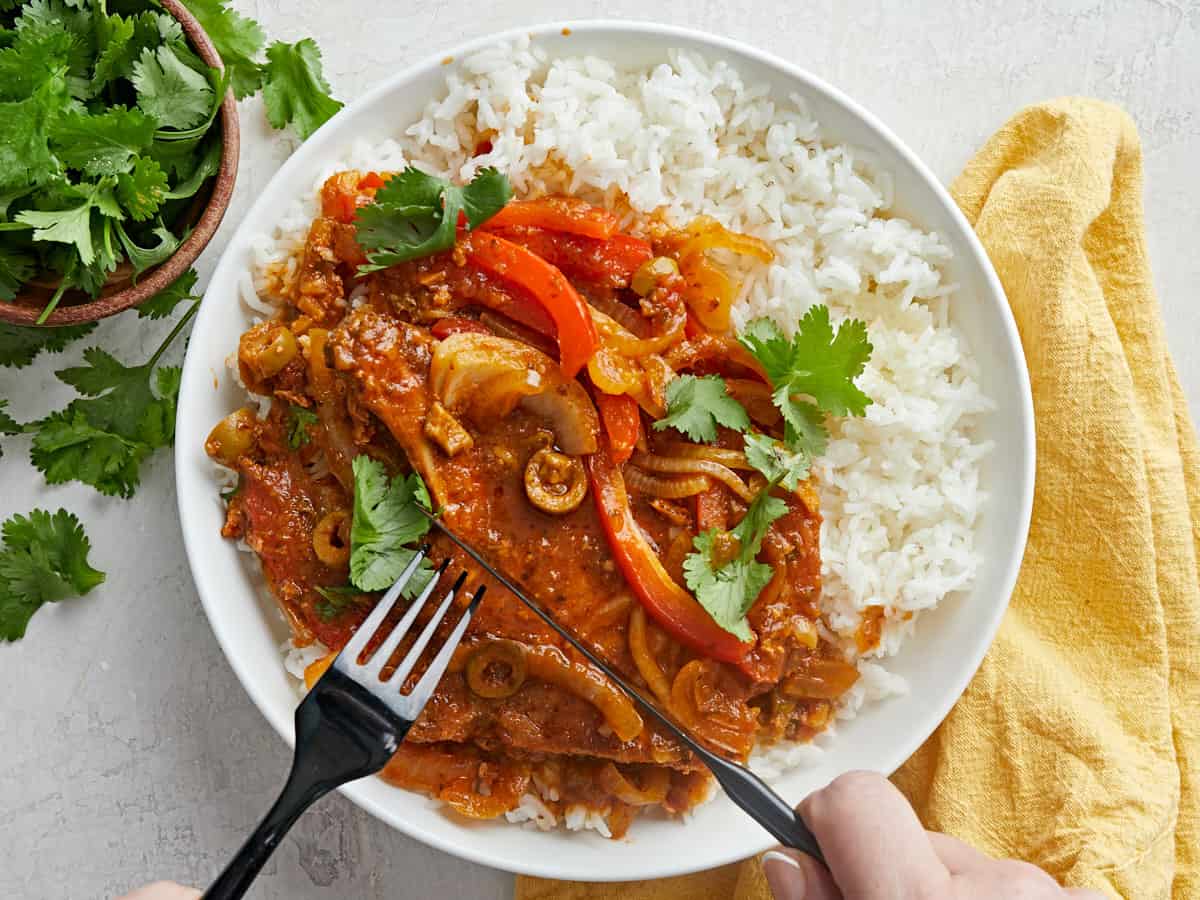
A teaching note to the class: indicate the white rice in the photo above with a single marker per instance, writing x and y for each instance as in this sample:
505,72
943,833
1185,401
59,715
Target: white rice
900,487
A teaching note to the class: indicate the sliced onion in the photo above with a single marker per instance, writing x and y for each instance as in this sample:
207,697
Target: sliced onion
616,335
657,781
486,376
681,465
734,459
666,488
646,664
551,664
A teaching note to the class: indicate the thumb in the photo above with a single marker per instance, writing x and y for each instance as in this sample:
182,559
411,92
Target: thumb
793,875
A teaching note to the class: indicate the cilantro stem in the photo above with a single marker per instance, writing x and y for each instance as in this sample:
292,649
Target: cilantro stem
174,334
58,292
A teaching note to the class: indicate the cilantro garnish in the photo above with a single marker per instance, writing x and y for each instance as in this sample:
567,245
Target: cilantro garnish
108,131
385,520
299,419
727,589
417,215
812,376
44,559
696,406
337,599
124,415
817,363
779,464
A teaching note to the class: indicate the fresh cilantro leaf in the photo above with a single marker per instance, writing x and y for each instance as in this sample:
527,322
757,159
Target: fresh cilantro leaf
238,40
299,419
294,89
205,168
19,345
779,464
116,56
337,600
416,215
697,405
817,362
34,58
15,269
143,190
8,425
385,519
142,258
485,196
178,158
804,424
40,19
125,413
728,588
44,560
25,157
763,510
164,302
727,592
73,225
175,94
102,143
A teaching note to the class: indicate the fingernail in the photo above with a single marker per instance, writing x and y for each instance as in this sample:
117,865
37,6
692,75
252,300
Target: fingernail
784,876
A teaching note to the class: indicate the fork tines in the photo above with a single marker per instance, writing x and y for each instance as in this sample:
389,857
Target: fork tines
369,673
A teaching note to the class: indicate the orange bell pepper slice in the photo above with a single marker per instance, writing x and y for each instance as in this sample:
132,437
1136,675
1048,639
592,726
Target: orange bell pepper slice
546,286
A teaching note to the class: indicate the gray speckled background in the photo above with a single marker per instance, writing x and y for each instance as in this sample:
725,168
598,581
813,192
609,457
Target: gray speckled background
128,751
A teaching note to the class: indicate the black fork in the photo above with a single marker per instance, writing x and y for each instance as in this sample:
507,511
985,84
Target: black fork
353,720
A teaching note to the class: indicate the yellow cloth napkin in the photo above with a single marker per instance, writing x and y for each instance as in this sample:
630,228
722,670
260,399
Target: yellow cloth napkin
1077,746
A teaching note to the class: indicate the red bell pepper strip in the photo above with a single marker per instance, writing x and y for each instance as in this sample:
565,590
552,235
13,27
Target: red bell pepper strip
611,263
622,423
547,286
557,214
672,607
443,328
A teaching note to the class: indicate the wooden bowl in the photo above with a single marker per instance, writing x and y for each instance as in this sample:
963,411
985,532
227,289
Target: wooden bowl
120,293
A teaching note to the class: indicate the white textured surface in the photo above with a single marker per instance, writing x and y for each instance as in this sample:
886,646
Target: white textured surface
130,752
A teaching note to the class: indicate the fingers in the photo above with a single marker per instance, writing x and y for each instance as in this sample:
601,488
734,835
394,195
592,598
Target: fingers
872,840
793,875
956,856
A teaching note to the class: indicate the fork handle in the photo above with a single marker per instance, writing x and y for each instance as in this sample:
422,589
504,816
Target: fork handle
765,806
300,792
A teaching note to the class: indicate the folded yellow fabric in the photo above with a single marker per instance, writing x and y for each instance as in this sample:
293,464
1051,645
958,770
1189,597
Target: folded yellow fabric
1077,746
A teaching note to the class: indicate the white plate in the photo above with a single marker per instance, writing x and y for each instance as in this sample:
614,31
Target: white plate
938,661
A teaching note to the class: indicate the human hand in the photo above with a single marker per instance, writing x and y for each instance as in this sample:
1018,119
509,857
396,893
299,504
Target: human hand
877,849
163,890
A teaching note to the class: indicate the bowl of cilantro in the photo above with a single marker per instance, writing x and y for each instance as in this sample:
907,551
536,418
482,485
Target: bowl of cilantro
118,158
119,162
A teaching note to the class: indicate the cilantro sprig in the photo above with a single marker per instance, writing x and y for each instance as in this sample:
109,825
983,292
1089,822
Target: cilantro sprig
728,588
44,559
294,89
416,215
385,521
812,377
123,415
